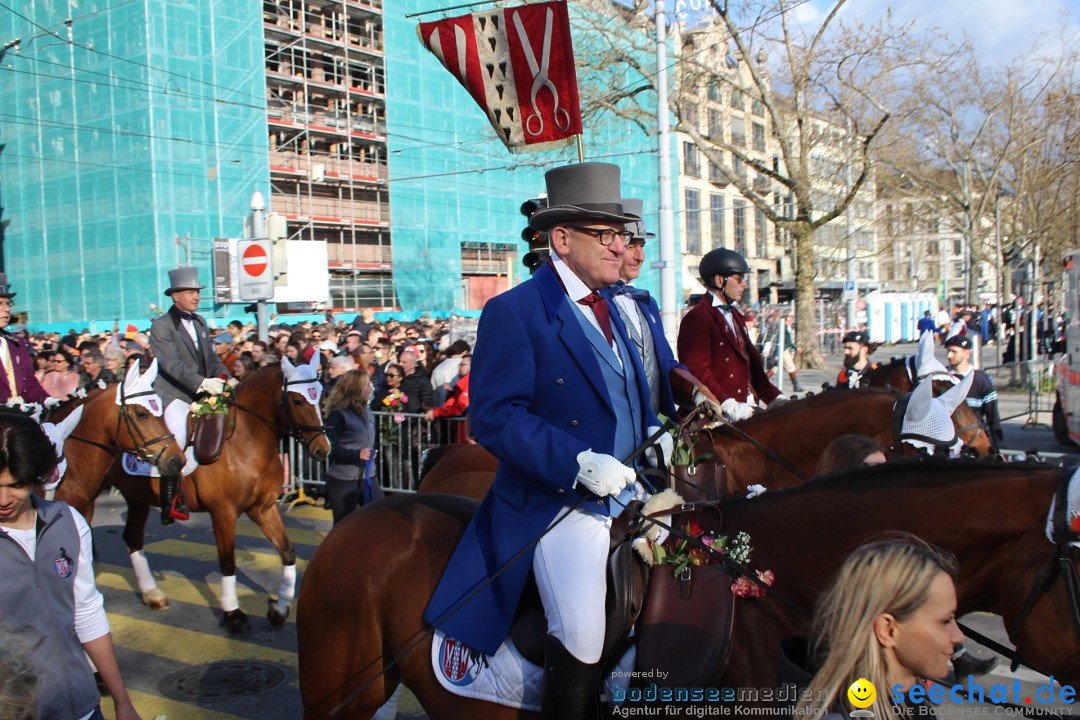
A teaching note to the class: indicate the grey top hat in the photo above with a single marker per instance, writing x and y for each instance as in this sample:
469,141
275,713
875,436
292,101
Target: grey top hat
5,290
582,192
184,278
635,206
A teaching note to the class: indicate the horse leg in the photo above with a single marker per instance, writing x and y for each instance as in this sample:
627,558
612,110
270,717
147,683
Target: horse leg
234,619
268,518
134,532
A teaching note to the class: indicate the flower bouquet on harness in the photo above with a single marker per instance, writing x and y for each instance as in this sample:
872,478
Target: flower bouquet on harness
210,414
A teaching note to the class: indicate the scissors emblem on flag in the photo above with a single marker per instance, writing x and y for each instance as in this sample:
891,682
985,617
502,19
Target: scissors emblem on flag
534,124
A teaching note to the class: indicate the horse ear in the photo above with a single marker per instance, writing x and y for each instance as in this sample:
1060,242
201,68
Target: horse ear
955,395
919,405
925,362
151,372
132,375
286,365
66,426
315,361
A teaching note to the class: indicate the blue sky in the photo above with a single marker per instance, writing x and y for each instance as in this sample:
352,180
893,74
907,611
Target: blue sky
999,29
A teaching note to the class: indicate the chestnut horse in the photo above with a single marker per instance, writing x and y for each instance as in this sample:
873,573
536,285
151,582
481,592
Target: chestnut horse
797,432
358,611
246,478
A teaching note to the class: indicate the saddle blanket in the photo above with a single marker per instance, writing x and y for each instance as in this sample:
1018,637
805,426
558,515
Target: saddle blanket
1072,514
134,465
505,678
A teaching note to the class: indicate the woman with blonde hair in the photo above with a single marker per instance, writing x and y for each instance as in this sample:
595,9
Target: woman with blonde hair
890,618
350,426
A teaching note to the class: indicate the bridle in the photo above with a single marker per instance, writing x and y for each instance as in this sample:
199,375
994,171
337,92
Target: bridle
142,444
292,428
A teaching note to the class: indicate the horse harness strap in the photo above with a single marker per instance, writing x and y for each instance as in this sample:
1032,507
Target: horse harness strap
142,445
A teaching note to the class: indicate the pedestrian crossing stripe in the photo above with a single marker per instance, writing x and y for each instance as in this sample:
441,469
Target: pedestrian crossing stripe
181,589
153,706
246,560
309,512
190,647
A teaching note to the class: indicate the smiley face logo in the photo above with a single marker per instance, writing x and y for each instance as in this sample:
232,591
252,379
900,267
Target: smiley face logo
862,693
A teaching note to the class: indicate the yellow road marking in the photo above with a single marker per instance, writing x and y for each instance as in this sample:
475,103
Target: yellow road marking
309,512
181,589
189,646
203,552
298,536
150,706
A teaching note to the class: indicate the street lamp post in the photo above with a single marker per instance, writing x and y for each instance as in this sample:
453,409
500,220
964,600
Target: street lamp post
1002,286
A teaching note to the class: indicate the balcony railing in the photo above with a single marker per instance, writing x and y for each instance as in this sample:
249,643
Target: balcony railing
334,209
313,166
359,254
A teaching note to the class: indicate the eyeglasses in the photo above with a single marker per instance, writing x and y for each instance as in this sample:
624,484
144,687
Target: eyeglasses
605,236
738,277
392,375
6,305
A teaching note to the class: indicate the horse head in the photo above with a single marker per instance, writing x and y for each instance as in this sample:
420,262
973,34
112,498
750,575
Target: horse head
57,433
922,422
140,427
301,391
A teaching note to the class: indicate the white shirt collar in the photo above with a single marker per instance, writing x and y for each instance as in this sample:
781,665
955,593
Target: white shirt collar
717,301
575,288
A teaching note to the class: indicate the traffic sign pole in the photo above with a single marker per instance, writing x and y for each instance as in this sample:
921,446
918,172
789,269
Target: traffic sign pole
258,230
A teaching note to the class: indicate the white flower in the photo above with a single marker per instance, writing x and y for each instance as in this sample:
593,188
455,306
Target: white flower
194,407
101,384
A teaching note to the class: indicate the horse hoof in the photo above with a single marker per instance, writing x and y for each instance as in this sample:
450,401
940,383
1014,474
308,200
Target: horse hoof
155,599
236,622
275,616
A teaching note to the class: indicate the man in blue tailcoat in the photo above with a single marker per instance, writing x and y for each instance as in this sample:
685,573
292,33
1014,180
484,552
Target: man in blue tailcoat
558,397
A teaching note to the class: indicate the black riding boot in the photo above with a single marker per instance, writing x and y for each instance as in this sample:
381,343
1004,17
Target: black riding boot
794,382
571,687
172,507
964,663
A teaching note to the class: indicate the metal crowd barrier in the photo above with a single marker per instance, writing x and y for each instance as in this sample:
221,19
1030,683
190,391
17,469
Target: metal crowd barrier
401,440
1024,389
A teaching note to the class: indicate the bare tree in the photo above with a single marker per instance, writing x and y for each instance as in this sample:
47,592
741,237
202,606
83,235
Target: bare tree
824,91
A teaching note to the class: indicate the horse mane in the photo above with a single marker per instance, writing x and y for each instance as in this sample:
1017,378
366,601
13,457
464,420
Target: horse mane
813,402
915,473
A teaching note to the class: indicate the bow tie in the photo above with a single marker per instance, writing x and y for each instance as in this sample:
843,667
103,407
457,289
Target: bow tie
183,315
725,308
635,294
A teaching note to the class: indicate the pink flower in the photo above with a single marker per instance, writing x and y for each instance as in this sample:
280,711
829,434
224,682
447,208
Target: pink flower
746,588
398,418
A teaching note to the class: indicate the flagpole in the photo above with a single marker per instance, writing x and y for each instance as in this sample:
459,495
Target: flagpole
580,149
454,7
668,312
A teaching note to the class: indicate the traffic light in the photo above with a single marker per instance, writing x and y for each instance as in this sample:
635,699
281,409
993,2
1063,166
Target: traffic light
538,241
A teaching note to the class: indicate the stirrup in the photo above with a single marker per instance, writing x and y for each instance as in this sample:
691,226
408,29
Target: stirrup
177,511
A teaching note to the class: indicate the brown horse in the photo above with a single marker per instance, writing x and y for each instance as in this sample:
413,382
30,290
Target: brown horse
246,478
360,610
797,432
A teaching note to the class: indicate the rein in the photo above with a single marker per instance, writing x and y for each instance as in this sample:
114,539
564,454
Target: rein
767,452
292,429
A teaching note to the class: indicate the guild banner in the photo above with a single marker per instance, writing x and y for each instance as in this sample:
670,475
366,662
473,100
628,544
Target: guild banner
518,65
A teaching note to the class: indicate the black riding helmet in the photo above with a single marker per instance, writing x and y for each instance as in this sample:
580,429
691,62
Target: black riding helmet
723,262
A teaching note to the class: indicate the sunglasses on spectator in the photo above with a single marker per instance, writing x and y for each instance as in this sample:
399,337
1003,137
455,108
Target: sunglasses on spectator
390,375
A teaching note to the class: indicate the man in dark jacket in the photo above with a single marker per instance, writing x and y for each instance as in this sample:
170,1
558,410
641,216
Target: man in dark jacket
187,364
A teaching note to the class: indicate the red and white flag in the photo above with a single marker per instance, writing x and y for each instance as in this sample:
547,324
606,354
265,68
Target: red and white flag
518,65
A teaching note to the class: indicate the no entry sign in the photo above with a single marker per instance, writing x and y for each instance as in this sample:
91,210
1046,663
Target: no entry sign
255,274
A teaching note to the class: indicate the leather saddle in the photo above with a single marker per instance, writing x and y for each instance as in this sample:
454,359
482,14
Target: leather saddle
683,625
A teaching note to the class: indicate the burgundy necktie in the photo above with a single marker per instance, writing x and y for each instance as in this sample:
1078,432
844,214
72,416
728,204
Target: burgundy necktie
600,309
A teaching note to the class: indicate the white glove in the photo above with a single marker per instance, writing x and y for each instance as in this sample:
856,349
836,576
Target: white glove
667,447
735,411
212,385
602,474
701,400
778,401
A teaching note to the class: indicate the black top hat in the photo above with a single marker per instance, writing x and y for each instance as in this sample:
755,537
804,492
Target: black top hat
636,206
582,192
5,291
960,341
857,336
184,278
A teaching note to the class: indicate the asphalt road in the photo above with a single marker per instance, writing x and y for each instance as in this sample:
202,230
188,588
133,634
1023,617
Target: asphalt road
181,664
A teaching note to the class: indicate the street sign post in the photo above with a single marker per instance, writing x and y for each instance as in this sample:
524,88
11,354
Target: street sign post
255,274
